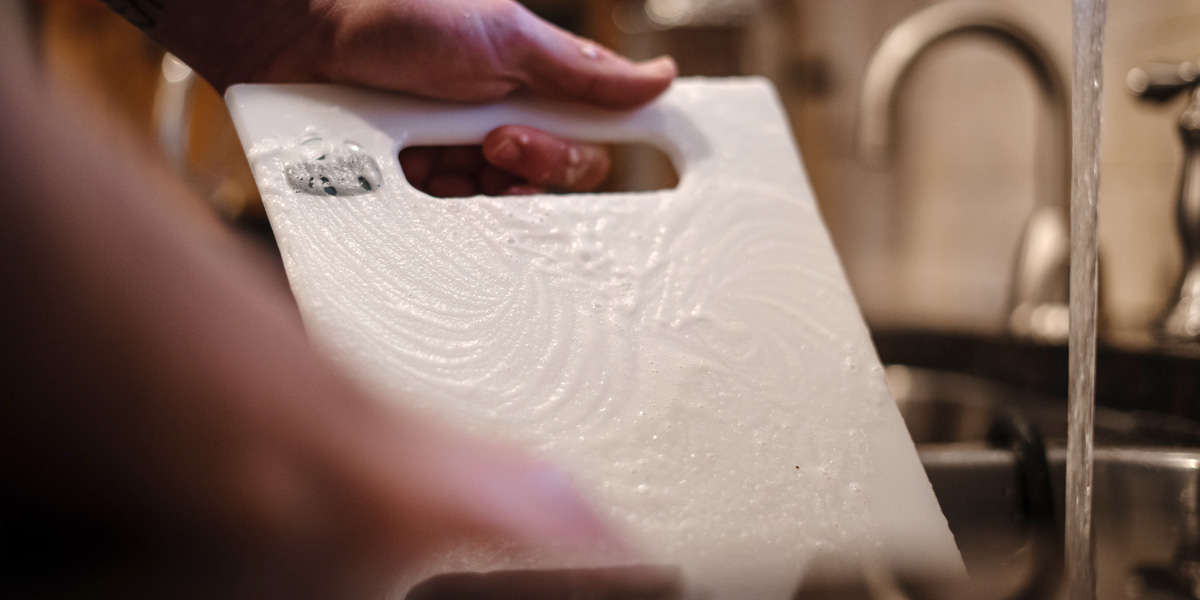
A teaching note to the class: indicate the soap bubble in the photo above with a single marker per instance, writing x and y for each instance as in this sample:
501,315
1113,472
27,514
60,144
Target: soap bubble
324,168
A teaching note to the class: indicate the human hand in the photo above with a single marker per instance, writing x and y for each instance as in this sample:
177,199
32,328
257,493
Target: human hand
478,51
615,583
512,160
460,50
170,431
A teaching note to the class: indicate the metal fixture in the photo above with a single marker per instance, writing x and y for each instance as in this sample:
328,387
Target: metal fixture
1145,501
1038,300
1147,482
231,193
172,109
1160,82
648,16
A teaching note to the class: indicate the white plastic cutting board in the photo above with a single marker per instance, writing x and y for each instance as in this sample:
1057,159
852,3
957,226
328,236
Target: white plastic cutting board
693,358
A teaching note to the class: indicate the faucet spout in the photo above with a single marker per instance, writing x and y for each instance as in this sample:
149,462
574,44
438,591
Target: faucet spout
1038,297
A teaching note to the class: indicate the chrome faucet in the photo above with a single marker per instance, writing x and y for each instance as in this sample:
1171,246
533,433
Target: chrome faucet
1158,83
1038,299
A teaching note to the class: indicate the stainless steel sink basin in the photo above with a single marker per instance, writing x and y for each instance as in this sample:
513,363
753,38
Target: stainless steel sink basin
1145,515
1147,487
941,407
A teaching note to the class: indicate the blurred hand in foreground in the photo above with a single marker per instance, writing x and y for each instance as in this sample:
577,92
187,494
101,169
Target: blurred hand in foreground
170,430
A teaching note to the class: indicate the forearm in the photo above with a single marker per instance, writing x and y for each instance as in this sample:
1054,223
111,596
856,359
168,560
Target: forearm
234,41
127,321
160,384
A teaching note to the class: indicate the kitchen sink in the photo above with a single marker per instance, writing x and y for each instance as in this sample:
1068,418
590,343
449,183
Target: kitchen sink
1145,515
995,455
949,407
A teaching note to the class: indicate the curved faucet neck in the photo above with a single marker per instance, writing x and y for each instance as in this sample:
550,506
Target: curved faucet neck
911,39
1039,284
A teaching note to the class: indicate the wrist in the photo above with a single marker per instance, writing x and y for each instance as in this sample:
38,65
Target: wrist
298,51
230,41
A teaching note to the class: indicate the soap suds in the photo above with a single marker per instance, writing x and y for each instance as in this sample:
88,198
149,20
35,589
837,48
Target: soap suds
321,167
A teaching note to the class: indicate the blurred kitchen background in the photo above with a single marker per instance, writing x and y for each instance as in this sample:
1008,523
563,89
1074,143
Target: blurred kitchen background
928,239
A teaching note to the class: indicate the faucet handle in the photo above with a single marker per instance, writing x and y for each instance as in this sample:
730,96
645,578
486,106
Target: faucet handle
1161,81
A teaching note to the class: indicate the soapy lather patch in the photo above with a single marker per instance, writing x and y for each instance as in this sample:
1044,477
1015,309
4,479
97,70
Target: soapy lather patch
324,168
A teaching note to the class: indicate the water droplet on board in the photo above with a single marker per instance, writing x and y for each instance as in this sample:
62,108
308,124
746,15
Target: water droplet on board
320,167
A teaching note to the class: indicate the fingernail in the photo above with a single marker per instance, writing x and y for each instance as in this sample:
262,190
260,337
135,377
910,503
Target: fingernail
523,190
541,501
663,66
507,152
563,514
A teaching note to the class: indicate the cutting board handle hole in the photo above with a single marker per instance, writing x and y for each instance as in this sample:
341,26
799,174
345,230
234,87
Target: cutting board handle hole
461,171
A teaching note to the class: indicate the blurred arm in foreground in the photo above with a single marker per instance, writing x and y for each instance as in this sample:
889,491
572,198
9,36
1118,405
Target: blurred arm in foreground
168,429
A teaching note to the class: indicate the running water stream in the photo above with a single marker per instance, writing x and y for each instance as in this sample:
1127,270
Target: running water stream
1089,16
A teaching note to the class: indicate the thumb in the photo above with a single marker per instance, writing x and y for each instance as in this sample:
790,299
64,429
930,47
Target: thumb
559,64
421,486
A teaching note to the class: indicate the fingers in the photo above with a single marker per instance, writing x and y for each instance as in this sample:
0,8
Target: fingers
524,190
559,64
472,51
513,160
450,172
422,164
418,163
422,487
546,161
495,181
642,582
451,186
